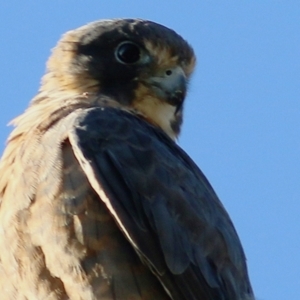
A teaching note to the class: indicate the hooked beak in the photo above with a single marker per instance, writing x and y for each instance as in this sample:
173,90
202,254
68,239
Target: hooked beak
171,85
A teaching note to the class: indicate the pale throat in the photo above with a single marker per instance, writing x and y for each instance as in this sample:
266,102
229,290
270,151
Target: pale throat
158,113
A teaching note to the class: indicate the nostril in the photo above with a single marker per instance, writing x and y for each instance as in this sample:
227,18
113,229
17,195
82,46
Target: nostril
168,72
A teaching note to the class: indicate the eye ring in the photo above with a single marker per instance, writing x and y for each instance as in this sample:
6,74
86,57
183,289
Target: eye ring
128,53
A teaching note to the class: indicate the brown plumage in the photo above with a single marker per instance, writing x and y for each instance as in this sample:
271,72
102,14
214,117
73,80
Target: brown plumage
97,200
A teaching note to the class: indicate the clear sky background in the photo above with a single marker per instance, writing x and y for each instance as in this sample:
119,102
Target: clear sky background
242,115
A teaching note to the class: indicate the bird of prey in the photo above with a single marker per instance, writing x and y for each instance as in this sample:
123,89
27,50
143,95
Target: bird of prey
97,199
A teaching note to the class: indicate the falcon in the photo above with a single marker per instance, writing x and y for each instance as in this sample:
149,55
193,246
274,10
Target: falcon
97,199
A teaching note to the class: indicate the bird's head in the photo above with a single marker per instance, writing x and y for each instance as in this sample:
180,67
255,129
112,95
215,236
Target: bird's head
139,64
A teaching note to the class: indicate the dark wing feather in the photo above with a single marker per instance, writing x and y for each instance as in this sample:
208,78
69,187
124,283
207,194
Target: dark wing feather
163,204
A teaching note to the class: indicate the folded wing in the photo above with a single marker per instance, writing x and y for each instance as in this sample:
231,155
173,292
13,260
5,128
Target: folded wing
163,204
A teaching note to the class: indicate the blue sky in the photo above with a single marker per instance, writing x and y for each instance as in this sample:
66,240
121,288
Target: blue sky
242,115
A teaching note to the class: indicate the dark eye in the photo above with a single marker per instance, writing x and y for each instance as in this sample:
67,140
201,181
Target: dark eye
128,53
